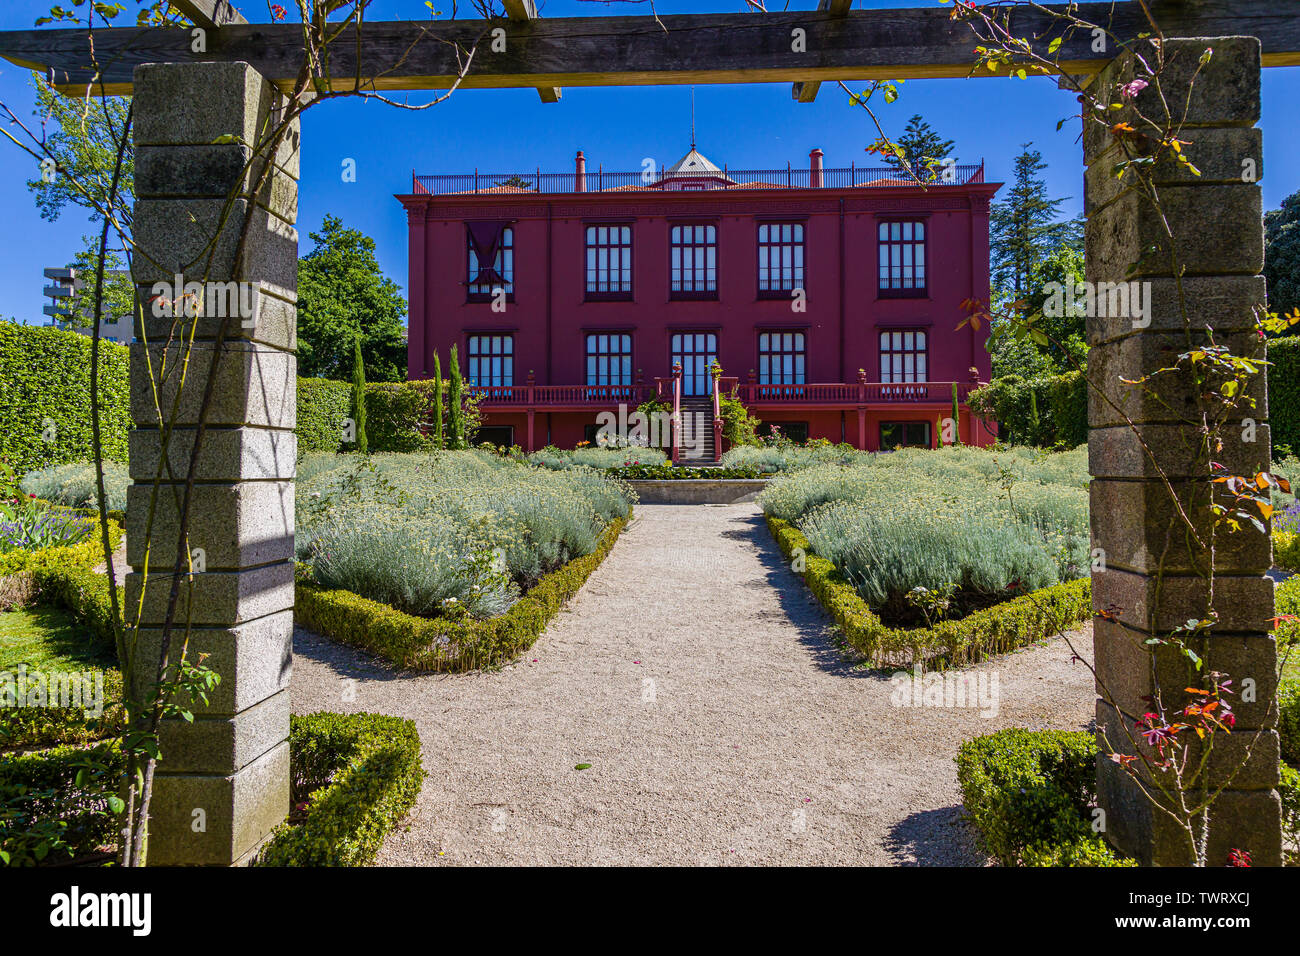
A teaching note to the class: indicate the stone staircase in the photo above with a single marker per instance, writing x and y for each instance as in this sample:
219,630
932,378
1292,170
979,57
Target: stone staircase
697,415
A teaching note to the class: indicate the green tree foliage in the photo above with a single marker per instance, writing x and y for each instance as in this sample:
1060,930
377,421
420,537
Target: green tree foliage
81,144
119,293
1018,354
359,395
455,405
921,147
82,137
438,440
343,296
1282,256
1025,228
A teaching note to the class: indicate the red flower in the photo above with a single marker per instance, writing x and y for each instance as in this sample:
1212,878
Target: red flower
1238,857
278,12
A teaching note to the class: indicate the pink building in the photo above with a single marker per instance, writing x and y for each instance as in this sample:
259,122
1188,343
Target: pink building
830,297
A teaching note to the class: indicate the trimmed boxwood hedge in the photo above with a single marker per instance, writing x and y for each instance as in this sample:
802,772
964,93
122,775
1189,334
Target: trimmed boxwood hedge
1029,794
359,774
1060,401
395,413
441,644
322,406
86,554
667,472
1004,627
45,379
1284,391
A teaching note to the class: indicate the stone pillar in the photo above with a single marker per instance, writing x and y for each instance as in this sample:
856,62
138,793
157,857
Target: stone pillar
1216,219
222,782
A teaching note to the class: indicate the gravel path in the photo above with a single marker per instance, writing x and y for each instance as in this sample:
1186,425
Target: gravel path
697,677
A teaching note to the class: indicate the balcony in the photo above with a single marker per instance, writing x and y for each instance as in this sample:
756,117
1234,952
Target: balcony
501,398
599,181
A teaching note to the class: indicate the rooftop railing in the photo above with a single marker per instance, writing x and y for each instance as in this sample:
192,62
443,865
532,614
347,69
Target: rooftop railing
601,181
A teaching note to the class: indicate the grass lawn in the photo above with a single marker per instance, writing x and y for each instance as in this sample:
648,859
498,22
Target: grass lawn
45,638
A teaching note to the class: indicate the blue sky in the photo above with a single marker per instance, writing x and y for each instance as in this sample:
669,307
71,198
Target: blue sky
507,130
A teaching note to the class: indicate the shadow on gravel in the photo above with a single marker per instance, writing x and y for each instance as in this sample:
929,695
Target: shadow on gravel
934,838
805,614
345,661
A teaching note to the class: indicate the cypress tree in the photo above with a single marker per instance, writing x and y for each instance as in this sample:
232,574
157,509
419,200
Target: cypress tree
359,395
455,410
956,417
438,441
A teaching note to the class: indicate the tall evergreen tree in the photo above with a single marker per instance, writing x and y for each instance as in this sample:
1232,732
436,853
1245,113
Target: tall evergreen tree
1025,227
455,405
359,395
1282,257
438,441
923,149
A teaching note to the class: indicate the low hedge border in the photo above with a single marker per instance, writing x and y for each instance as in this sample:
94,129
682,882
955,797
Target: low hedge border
436,644
1016,623
360,775
1029,794
681,473
87,554
84,594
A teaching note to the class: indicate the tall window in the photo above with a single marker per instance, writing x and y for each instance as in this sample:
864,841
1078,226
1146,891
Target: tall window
496,242
609,359
609,262
781,358
491,360
695,261
780,257
903,356
902,258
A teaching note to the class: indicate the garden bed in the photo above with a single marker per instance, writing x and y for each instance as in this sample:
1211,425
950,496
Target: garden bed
444,644
1004,627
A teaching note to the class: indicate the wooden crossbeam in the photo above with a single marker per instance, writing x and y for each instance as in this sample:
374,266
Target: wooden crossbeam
639,50
208,13
807,92
527,10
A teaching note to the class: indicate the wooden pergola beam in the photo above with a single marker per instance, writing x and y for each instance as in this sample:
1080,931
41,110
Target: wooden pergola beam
807,92
527,10
638,50
209,13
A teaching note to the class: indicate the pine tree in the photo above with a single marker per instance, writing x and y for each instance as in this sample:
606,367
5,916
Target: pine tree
455,407
359,395
1024,228
438,441
923,148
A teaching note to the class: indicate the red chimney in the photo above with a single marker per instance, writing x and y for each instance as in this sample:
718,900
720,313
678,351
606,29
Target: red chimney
815,169
580,174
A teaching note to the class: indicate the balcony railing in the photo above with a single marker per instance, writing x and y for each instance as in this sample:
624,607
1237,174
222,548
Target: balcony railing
751,393
599,180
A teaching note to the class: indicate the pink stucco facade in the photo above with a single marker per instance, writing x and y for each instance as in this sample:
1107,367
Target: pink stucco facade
839,324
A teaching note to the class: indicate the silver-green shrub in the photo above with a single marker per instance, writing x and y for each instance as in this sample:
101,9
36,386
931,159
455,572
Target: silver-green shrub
983,520
74,485
428,531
